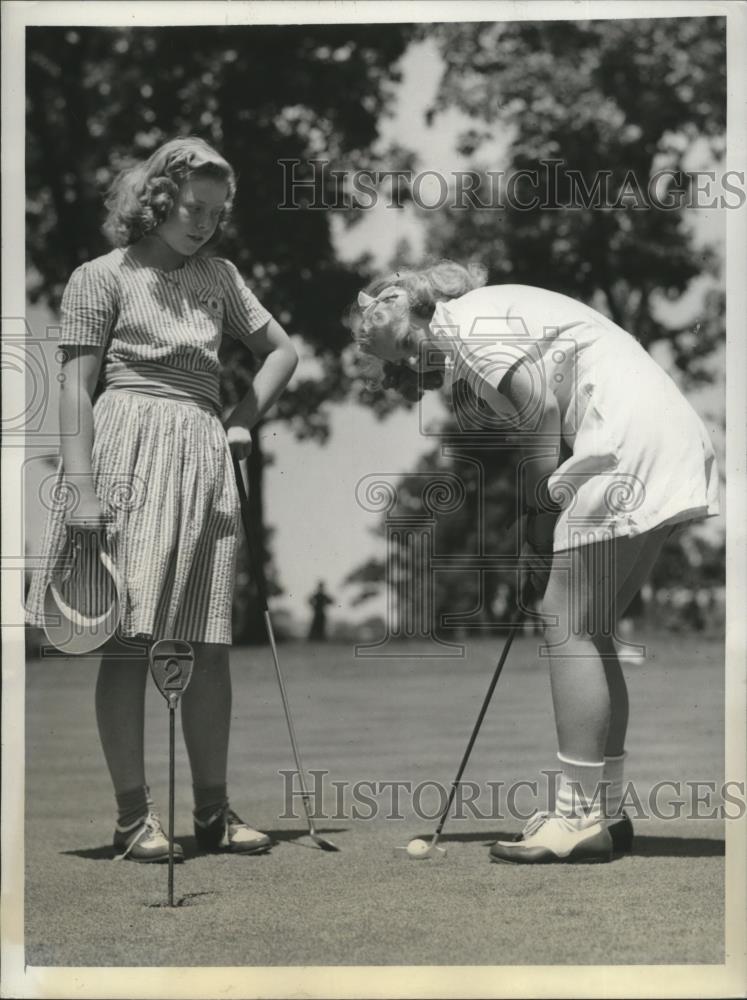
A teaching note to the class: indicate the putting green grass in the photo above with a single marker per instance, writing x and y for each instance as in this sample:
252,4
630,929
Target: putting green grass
396,719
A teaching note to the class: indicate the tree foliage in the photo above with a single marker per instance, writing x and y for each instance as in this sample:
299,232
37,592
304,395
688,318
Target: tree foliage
97,97
616,101
623,97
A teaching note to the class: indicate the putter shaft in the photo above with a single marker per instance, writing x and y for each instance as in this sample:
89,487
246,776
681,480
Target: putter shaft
256,568
515,623
289,719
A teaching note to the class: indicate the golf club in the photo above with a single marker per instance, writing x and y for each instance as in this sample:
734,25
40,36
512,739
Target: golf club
171,662
254,551
420,849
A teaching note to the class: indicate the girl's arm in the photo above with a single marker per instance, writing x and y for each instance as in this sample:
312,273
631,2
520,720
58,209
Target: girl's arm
539,418
274,346
542,414
80,372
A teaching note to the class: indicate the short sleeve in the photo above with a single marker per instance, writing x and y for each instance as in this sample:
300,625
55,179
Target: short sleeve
89,307
489,342
244,314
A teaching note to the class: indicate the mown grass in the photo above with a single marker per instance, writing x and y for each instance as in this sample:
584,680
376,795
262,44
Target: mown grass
395,719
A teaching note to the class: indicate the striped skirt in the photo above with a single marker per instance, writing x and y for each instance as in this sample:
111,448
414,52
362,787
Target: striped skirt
162,470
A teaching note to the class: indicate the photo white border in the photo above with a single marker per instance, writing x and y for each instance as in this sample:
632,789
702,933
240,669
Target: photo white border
332,981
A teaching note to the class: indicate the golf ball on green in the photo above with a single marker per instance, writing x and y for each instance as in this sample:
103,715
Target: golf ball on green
417,848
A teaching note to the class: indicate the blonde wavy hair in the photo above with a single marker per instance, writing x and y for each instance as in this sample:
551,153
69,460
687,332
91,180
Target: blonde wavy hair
143,196
425,287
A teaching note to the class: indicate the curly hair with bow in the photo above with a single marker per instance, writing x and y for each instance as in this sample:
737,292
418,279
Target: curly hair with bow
424,287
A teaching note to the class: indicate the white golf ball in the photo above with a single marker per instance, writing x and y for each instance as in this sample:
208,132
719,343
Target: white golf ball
417,848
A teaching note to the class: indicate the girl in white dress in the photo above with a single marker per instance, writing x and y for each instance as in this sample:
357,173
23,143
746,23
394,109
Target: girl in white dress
614,457
150,457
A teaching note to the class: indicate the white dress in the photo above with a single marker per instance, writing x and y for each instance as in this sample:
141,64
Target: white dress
640,457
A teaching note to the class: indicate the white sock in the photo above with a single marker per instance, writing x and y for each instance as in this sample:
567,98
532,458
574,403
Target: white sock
614,768
579,790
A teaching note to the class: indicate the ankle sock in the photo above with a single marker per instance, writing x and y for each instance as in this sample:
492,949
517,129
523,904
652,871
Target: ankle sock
208,800
579,790
614,768
132,805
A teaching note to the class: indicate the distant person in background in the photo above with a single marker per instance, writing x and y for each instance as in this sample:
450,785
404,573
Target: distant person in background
615,460
694,612
319,601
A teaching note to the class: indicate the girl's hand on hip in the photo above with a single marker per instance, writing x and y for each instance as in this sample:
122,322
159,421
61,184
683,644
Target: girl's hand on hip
239,440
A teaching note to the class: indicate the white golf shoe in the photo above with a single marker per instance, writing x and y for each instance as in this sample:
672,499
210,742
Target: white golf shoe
144,841
549,838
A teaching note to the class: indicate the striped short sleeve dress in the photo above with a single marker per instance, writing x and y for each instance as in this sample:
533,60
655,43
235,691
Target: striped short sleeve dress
161,463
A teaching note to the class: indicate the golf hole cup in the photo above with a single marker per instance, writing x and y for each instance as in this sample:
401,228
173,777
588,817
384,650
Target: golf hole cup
171,663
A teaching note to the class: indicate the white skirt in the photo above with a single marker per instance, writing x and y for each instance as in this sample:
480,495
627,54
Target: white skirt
635,465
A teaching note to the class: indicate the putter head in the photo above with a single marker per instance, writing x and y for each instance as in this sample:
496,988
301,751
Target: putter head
323,843
312,840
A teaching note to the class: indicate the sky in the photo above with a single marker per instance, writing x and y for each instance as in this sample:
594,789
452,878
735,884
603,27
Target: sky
320,530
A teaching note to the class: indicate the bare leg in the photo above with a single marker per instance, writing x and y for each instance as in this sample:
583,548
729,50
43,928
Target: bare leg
590,702
627,586
206,715
588,688
120,714
618,695
580,694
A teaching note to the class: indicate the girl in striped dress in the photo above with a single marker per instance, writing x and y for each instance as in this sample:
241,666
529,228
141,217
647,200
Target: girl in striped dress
614,459
151,459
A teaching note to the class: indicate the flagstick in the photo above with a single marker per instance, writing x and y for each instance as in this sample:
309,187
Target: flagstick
172,715
171,663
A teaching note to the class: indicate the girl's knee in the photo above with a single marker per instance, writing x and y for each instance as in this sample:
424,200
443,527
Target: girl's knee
568,620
